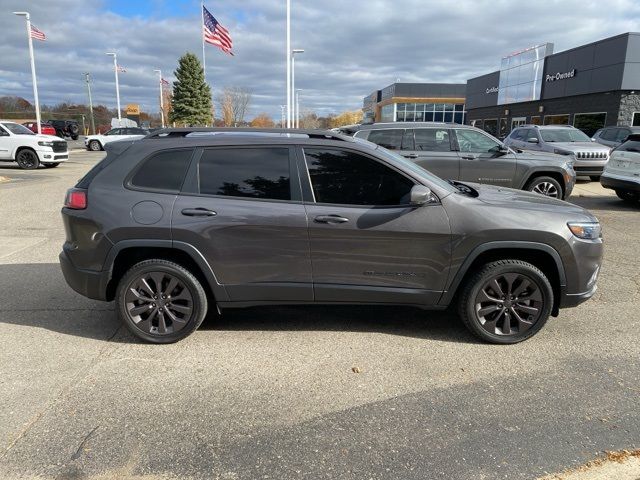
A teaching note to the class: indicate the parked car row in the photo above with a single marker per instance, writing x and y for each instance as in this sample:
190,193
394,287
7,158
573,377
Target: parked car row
59,128
97,142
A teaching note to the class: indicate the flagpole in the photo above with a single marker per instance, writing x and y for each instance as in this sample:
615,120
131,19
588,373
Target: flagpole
161,95
93,125
33,66
288,63
115,69
204,60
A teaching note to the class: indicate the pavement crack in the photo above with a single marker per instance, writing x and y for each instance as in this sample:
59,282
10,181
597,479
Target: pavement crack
80,449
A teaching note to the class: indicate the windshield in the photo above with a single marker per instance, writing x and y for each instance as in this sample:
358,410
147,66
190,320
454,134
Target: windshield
409,165
17,129
563,135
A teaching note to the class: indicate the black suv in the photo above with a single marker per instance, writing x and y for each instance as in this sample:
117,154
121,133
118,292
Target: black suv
187,221
66,128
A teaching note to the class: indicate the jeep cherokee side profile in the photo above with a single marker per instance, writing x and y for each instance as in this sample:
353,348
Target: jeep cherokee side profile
468,154
187,221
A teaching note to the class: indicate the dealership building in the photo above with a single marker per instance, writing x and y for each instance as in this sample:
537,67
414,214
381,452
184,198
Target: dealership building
589,87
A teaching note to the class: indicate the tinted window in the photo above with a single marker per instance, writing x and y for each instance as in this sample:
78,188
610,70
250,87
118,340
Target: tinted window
476,142
432,140
115,131
164,171
517,134
390,139
622,135
246,172
347,178
527,133
630,146
407,140
609,134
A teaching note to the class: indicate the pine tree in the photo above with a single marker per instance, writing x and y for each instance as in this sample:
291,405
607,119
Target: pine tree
191,102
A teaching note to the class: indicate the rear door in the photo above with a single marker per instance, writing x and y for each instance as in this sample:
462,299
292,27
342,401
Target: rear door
241,207
434,152
368,244
482,159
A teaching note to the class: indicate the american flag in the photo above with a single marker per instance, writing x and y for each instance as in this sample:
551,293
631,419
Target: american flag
37,34
216,34
163,82
121,69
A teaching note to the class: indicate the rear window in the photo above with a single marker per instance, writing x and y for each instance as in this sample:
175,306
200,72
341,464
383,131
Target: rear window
261,173
433,140
630,146
164,171
390,139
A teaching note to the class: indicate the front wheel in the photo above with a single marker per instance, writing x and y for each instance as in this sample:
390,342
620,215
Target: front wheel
51,165
74,137
630,197
160,301
27,160
94,146
507,301
547,186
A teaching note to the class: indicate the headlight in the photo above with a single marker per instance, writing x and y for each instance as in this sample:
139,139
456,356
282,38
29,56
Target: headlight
45,144
561,152
585,230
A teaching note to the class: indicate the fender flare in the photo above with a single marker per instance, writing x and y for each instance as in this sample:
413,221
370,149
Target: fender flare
447,295
539,171
217,288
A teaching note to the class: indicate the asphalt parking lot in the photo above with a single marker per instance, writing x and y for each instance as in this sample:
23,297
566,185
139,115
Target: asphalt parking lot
274,393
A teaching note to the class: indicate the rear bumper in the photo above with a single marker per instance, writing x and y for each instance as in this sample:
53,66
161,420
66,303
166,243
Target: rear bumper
88,283
618,182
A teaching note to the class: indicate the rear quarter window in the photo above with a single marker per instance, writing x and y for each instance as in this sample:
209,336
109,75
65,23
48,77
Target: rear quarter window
163,171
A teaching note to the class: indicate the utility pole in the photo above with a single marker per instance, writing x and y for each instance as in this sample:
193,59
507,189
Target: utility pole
288,63
93,124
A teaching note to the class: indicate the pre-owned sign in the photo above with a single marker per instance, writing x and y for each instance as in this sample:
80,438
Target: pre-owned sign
561,76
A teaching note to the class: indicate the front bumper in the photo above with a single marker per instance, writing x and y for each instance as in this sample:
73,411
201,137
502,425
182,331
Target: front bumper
49,156
570,300
589,167
620,182
88,283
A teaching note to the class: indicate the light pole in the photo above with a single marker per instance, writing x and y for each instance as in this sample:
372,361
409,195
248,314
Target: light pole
115,69
283,115
27,17
293,81
93,125
288,57
159,72
298,107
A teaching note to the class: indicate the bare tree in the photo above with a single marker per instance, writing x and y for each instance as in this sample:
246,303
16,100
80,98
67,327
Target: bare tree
309,119
234,102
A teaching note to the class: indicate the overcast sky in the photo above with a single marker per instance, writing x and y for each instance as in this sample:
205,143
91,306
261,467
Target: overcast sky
352,47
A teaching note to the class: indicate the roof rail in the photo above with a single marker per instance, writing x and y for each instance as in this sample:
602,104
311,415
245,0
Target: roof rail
191,132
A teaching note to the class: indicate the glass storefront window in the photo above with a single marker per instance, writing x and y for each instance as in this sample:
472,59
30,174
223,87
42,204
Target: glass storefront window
425,112
448,117
438,117
448,107
477,124
400,117
535,120
556,119
589,123
491,126
428,116
503,128
386,113
459,117
439,107
459,107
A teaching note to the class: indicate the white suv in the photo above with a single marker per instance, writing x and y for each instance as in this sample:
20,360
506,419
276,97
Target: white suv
97,142
28,149
622,173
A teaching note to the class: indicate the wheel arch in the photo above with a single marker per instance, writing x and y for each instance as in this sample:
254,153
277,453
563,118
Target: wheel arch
127,253
23,147
532,175
542,256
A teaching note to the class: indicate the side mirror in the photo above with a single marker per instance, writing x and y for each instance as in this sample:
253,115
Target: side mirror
532,140
421,195
593,139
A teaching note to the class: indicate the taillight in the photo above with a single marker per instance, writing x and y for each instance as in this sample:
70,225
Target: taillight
76,199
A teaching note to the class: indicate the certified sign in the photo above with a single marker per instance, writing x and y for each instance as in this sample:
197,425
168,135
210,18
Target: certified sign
133,109
561,76
492,90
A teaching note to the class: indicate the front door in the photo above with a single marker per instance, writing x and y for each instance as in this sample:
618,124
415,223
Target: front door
242,209
367,242
433,151
483,160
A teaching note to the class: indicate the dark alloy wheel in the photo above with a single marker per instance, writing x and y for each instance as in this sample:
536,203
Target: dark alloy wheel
94,146
506,302
160,301
27,159
51,165
546,186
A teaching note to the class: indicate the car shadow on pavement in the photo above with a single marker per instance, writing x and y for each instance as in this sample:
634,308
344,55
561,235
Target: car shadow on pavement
604,203
36,295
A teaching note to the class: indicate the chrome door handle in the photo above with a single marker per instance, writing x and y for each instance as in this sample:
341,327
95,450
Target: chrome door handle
412,155
330,219
469,157
198,212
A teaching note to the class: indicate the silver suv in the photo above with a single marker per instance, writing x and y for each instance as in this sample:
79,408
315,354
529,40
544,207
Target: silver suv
465,153
590,157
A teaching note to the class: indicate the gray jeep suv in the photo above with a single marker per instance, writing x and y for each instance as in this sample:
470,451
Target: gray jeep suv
588,156
187,221
462,152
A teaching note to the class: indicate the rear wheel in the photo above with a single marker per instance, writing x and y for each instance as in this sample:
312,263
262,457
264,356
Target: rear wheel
630,197
547,186
51,165
594,178
160,301
27,159
94,146
507,301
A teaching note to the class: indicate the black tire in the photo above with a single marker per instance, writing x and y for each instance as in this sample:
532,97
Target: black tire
73,130
27,159
627,196
94,146
594,178
129,298
51,165
491,325
59,133
546,186
74,137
